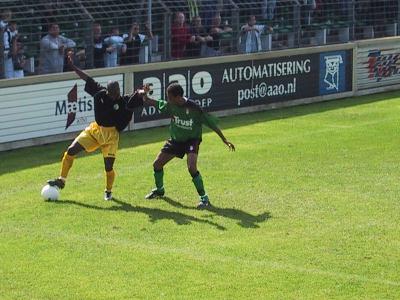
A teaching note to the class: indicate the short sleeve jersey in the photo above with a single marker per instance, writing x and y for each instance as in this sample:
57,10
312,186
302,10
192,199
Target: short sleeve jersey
110,113
186,120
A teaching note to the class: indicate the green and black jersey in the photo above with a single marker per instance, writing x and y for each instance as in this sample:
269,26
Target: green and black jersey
186,120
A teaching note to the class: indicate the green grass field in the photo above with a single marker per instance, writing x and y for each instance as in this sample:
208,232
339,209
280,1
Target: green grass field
306,208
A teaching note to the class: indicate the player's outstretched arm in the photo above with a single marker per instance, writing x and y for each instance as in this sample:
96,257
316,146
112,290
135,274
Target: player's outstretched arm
145,93
78,71
223,138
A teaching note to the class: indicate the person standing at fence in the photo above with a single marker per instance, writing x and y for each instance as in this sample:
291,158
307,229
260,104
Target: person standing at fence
179,36
9,39
198,39
99,47
18,58
268,9
249,40
5,17
187,119
115,42
112,113
217,33
134,41
52,50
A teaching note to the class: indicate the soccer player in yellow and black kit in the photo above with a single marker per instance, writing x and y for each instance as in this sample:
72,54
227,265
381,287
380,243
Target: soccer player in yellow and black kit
112,113
187,119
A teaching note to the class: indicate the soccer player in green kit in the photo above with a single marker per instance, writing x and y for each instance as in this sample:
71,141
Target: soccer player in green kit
187,118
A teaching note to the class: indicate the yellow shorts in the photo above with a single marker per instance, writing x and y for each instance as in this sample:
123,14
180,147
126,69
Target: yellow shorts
95,136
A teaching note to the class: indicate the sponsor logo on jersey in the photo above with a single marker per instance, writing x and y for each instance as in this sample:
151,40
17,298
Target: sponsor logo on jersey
184,124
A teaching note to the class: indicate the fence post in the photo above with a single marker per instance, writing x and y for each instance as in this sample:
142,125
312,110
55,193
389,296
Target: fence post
89,43
297,23
167,36
2,71
351,17
150,22
236,28
398,17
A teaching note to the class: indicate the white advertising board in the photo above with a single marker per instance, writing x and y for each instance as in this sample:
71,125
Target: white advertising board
39,110
378,64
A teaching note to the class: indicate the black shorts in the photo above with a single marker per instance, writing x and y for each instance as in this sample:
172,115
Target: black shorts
179,149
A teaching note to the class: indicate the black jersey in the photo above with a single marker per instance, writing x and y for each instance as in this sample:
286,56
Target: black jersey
109,112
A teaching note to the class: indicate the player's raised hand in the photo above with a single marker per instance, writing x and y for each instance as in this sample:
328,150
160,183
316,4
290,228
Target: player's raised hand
144,91
230,145
69,60
146,88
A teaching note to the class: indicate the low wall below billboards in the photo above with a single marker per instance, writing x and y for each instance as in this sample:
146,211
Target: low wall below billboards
38,110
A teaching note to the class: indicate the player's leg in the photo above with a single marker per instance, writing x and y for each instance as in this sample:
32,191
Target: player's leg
110,176
87,141
192,151
158,166
197,179
109,141
66,164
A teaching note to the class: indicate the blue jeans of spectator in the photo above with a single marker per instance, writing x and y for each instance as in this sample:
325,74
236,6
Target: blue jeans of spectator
268,9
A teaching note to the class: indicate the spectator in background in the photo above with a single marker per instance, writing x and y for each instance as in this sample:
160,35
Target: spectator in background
179,36
249,40
198,38
9,39
100,47
5,17
52,50
133,42
18,58
115,43
268,9
216,32
49,15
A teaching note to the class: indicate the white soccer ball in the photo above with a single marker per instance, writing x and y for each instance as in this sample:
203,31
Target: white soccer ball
50,193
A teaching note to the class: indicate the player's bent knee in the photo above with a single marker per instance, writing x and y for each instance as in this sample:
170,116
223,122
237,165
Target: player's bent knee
157,165
74,149
108,164
192,170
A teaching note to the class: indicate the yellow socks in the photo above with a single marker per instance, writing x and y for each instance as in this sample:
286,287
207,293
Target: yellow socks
66,165
110,176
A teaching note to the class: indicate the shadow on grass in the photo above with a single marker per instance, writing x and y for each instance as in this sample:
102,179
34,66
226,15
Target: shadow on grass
15,160
154,214
245,219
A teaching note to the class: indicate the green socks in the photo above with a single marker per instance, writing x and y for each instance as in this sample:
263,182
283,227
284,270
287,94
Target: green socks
198,183
159,179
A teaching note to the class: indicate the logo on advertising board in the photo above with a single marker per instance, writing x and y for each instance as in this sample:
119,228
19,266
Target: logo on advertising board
383,65
332,72
197,85
72,105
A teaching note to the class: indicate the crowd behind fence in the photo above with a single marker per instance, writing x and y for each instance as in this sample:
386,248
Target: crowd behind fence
37,36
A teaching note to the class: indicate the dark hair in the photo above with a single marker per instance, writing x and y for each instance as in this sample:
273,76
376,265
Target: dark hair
51,25
113,86
175,89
